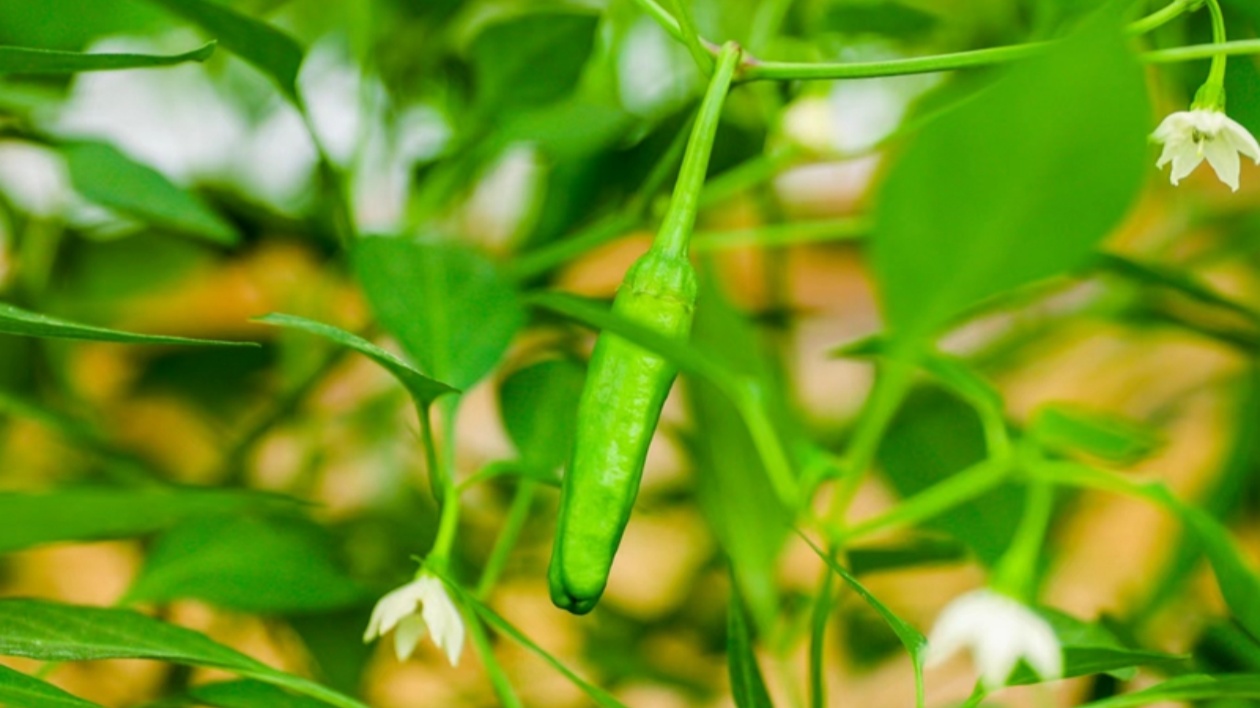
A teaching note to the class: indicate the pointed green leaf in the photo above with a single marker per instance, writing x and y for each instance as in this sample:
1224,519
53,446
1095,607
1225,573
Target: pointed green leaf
29,60
107,177
747,685
1188,688
422,388
916,553
98,514
1090,648
271,51
914,641
15,320
1110,437
449,306
1015,186
257,565
49,631
18,689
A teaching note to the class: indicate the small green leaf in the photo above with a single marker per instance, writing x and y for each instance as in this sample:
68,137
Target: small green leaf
107,177
914,641
449,306
22,691
256,565
1090,648
248,694
531,59
885,17
1063,427
49,631
14,320
271,51
29,60
747,685
98,514
539,408
1015,186
422,388
1188,688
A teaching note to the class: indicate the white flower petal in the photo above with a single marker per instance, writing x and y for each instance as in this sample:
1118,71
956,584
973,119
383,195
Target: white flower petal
444,619
1184,161
1241,140
1224,161
408,634
999,632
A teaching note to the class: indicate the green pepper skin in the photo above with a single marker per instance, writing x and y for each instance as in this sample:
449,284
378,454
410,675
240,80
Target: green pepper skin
617,415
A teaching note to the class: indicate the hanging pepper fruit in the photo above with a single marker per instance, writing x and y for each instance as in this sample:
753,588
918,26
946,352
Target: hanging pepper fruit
626,384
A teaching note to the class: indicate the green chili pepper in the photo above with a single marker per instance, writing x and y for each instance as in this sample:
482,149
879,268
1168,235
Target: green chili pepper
626,384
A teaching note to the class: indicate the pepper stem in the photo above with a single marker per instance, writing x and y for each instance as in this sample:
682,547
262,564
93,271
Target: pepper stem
674,238
1211,95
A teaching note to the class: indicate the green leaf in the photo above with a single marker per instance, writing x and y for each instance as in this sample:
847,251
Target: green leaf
422,388
914,641
747,684
732,488
271,51
22,691
107,177
539,408
1188,688
49,631
30,60
1065,427
1090,648
97,514
933,437
449,306
249,694
256,565
531,59
1015,186
14,320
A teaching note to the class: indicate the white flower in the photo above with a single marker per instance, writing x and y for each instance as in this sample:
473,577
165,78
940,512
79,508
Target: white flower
437,615
999,631
1191,136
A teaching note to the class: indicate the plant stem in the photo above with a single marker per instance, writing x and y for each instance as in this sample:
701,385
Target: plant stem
663,18
1016,572
494,670
442,483
518,514
1193,52
1216,75
675,233
1159,18
691,37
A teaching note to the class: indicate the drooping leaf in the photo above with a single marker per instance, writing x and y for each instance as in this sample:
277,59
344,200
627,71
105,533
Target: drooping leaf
15,320
916,553
911,638
49,631
747,685
18,689
271,51
422,388
1196,687
449,307
98,514
1015,186
531,59
107,177
253,564
31,60
539,408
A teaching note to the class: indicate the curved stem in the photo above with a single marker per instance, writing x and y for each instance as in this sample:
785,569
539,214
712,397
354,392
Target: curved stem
1216,75
518,514
691,37
675,234
1016,572
1159,18
663,18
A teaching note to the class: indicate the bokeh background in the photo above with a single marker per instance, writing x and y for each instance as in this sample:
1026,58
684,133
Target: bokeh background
394,95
